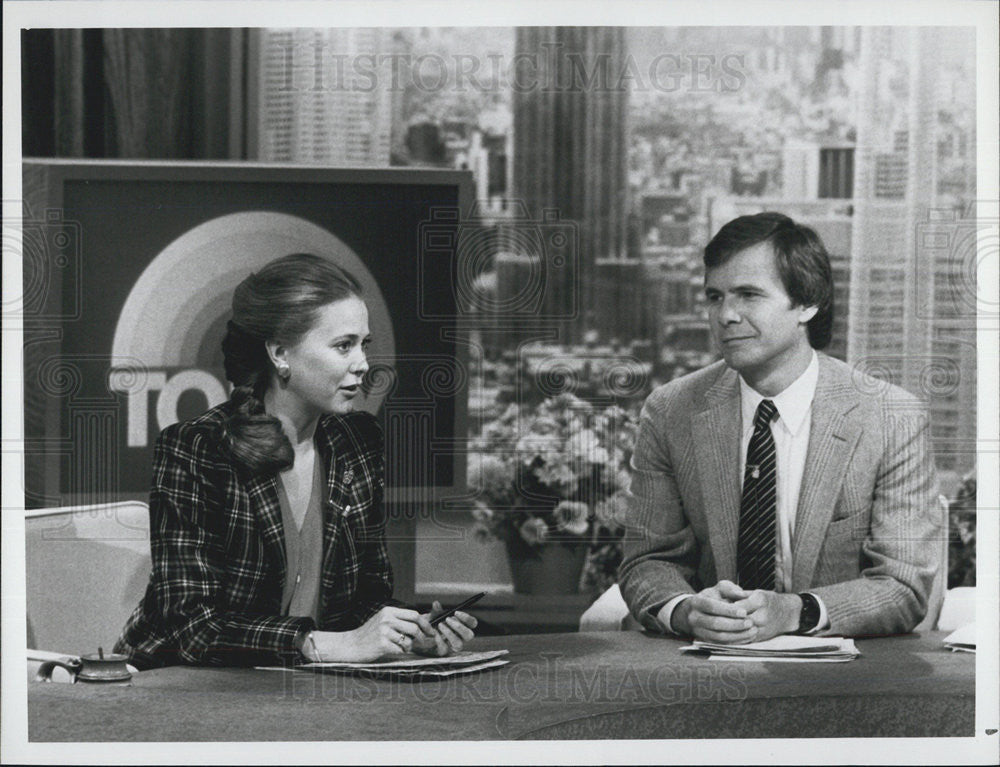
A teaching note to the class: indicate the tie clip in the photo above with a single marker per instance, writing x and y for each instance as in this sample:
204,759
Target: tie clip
754,471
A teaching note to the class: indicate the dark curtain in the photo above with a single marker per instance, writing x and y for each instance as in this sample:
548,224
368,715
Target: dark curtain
134,93
110,93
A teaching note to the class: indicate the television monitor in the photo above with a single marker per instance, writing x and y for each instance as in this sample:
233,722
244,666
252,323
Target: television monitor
129,269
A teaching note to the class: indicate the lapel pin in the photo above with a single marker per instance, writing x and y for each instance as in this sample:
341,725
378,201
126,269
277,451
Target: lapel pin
348,476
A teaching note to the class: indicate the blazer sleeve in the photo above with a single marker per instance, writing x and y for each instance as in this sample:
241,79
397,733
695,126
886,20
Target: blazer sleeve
900,548
375,581
188,512
660,552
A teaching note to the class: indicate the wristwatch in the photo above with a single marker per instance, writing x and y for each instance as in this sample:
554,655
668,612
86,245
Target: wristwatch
809,615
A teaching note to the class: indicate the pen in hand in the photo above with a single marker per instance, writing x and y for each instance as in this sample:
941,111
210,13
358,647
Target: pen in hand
452,610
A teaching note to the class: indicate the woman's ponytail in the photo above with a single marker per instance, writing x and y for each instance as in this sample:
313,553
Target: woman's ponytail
253,438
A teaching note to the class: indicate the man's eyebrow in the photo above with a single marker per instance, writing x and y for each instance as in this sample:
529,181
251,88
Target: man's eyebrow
741,286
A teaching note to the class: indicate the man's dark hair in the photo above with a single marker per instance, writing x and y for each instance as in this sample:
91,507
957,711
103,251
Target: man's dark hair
802,261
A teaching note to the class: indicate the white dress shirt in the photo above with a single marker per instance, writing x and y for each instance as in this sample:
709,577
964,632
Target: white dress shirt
790,430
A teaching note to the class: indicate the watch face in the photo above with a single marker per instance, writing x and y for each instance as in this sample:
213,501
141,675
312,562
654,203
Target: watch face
809,616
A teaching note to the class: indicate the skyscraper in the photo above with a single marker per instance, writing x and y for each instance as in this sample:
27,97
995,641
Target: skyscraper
570,152
912,316
318,96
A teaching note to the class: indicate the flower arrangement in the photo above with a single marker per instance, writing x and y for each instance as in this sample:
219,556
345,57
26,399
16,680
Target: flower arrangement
962,534
555,473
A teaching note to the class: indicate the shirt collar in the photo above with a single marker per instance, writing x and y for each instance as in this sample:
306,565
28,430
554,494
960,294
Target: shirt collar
792,404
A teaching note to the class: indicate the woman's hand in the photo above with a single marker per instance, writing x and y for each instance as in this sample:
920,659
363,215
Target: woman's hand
390,631
449,635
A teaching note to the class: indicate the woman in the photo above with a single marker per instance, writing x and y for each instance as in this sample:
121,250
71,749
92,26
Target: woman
266,523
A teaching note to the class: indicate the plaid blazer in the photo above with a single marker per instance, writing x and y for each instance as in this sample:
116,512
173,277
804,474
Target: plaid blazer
218,551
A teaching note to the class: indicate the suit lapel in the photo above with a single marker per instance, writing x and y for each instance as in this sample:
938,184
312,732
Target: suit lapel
716,434
834,432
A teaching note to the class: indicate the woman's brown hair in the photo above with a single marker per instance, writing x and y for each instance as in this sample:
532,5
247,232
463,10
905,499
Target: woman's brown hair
279,303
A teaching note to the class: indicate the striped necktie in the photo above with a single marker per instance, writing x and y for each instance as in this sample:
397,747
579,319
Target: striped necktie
758,509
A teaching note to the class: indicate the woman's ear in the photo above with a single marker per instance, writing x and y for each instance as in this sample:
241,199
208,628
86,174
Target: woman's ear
276,352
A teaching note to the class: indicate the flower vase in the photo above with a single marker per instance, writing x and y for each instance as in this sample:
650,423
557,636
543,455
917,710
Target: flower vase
548,569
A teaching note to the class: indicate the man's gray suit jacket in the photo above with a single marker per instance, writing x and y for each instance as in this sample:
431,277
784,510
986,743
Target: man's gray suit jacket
867,517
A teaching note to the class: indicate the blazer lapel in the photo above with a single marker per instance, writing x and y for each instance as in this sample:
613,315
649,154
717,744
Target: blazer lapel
339,477
833,434
262,491
716,434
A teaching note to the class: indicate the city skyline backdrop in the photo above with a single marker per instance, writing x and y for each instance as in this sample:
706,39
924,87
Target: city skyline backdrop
645,140
639,142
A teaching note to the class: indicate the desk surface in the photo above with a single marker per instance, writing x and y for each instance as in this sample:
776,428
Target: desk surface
557,686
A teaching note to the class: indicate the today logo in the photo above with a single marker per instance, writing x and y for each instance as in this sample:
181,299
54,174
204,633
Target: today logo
170,388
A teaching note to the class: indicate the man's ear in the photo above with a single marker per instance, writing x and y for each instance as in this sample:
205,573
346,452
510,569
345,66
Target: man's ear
276,352
806,313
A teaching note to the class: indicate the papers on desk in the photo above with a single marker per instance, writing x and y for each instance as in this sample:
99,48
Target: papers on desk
414,667
962,639
782,649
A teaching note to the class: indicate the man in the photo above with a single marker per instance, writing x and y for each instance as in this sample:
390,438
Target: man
778,491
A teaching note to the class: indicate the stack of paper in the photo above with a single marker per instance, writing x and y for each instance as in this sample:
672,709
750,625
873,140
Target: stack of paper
785,648
962,639
416,667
